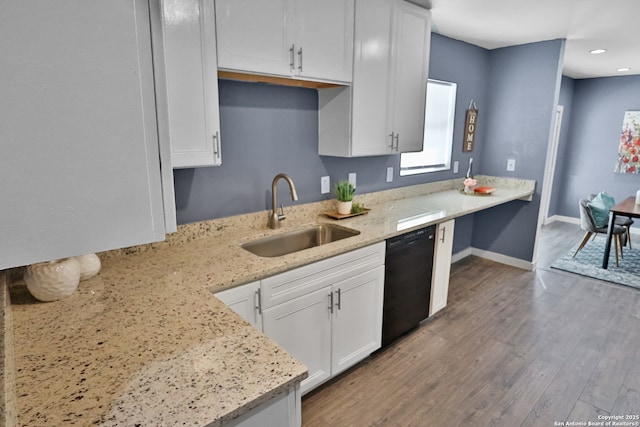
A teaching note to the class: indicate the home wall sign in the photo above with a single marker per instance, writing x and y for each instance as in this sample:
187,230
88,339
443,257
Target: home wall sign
470,127
629,147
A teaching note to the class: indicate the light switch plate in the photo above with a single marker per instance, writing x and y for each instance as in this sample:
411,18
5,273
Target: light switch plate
456,166
352,179
390,174
511,165
325,185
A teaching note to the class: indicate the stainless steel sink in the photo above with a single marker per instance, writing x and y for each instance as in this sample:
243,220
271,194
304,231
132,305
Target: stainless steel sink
298,240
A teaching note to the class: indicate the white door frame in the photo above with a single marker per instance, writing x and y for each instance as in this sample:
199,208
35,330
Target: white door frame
547,184
550,168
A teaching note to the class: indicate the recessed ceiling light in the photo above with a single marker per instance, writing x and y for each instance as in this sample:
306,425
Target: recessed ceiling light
624,69
597,51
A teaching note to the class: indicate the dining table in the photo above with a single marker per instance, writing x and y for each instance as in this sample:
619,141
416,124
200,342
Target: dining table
628,208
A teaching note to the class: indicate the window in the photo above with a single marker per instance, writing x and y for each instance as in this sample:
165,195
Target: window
438,131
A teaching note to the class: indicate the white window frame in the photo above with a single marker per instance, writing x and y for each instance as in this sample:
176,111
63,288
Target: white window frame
438,132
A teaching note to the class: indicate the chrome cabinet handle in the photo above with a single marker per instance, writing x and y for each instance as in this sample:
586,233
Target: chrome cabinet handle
291,59
339,304
300,59
397,141
444,230
391,145
216,145
258,301
331,302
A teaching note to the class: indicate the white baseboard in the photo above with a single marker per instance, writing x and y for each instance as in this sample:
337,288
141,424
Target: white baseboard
493,256
572,220
561,218
461,255
503,259
516,262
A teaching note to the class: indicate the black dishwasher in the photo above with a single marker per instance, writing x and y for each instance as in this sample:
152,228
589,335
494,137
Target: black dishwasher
407,282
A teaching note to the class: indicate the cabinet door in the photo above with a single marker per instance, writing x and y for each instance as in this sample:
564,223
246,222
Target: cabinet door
245,301
371,76
185,55
324,39
410,74
441,266
79,139
254,36
302,326
357,318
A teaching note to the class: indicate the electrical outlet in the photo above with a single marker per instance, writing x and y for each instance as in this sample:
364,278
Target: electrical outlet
390,174
352,179
456,166
511,165
325,185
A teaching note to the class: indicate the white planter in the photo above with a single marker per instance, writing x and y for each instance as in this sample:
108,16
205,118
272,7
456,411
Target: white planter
53,280
89,265
344,208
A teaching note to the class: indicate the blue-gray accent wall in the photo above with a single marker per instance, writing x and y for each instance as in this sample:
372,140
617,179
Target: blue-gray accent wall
586,157
524,83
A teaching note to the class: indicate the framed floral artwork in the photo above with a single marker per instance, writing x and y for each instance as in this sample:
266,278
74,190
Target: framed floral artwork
629,148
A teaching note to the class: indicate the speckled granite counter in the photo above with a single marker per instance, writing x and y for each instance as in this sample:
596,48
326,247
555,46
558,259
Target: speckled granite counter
146,343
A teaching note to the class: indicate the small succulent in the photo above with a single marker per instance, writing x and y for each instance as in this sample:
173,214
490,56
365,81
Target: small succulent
344,191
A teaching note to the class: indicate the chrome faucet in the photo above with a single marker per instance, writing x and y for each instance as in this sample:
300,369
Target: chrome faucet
274,216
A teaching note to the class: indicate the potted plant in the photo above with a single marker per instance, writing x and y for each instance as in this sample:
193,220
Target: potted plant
344,192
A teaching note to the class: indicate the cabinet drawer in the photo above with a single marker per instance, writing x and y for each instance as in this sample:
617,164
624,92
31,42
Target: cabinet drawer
294,283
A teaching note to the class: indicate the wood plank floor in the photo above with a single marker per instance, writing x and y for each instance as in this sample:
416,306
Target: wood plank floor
512,348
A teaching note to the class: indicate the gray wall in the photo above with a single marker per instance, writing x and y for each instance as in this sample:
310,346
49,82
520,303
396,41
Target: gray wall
524,82
591,147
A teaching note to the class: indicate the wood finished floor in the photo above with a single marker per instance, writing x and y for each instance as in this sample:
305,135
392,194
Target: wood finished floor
512,348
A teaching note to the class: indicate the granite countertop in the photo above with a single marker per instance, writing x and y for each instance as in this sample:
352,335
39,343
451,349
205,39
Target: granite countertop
145,342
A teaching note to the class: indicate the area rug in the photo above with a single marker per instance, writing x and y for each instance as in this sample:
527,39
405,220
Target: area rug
588,262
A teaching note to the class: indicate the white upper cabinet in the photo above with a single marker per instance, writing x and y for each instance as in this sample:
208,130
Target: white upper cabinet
374,37
410,74
303,39
80,156
382,112
253,36
324,39
187,79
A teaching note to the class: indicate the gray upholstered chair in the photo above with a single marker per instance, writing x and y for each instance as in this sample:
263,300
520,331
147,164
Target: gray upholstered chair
588,224
624,221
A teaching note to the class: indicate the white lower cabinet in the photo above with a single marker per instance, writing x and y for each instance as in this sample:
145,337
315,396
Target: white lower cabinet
284,410
327,314
357,319
302,326
245,301
441,266
332,327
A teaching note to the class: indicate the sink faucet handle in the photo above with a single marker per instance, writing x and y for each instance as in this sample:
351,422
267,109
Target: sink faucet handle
274,216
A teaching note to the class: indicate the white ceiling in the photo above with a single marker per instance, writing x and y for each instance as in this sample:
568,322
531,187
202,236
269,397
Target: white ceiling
585,24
